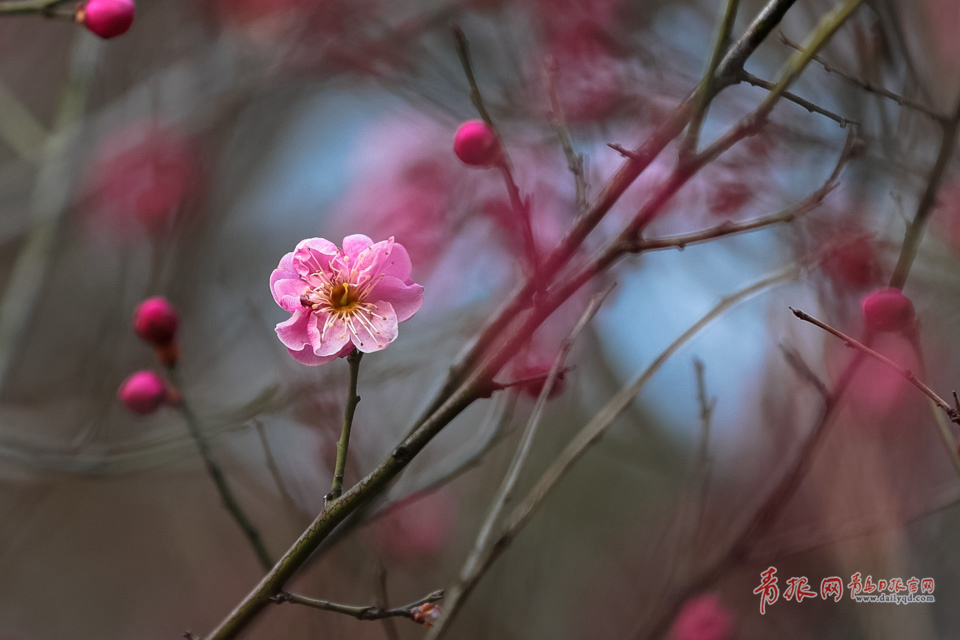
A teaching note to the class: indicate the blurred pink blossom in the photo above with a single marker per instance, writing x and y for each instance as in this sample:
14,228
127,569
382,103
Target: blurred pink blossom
421,528
703,618
143,174
341,299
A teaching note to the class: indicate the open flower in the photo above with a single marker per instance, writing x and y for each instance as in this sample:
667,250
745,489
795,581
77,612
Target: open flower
341,299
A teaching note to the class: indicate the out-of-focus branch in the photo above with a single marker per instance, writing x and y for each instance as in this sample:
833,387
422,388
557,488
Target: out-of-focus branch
559,122
911,241
866,85
906,374
705,91
368,612
472,569
952,412
755,81
48,203
851,149
520,205
20,7
216,474
593,430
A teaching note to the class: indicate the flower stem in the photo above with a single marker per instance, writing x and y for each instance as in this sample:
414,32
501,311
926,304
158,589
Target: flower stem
352,401
216,474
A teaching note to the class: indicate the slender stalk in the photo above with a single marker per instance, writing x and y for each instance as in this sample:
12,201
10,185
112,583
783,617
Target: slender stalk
216,474
336,489
362,612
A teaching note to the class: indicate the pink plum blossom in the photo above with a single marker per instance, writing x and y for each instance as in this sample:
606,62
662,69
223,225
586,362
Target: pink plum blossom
343,299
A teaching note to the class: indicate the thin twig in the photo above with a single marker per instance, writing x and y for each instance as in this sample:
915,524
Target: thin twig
216,474
866,85
905,373
368,612
559,122
850,150
336,488
273,467
949,443
812,107
705,91
383,602
520,205
911,241
471,570
800,366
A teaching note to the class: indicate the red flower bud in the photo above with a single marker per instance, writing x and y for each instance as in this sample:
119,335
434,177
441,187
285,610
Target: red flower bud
155,321
143,392
426,614
106,18
887,310
476,144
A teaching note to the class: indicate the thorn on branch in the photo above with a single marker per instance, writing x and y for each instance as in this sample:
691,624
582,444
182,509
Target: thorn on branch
626,153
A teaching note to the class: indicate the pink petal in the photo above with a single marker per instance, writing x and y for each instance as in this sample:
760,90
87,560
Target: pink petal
398,265
312,255
334,337
293,332
405,299
369,261
373,333
355,244
286,285
308,357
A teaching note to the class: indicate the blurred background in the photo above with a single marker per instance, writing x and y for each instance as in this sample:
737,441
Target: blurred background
186,157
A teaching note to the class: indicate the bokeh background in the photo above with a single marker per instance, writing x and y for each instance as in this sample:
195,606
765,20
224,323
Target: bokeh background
186,157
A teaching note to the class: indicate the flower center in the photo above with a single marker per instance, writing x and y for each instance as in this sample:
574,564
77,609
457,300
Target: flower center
342,297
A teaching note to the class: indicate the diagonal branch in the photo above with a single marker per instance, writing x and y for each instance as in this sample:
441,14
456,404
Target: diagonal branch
367,612
472,568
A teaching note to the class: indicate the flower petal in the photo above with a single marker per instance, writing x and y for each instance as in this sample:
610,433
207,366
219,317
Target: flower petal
312,255
355,244
374,332
293,332
334,335
398,264
368,263
308,357
286,285
405,298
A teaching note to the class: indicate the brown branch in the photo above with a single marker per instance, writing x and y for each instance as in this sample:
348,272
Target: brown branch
367,612
905,373
756,81
474,566
866,85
